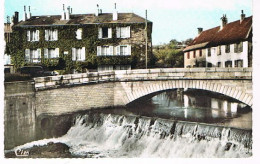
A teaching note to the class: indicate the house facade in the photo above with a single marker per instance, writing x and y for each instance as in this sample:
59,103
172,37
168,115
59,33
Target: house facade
100,41
228,45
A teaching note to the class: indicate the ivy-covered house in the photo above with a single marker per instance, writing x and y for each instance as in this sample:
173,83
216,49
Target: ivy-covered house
100,41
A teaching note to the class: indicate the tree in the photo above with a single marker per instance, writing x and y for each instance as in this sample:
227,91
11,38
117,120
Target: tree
169,55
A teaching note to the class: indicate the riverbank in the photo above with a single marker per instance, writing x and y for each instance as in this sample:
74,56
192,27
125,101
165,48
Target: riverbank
51,150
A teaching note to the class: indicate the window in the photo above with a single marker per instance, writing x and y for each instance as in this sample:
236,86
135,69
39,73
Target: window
219,50
78,54
33,55
200,51
79,34
123,67
105,68
51,35
105,50
238,63
209,52
104,32
188,55
219,64
227,48
51,53
123,32
238,47
33,35
228,64
194,54
209,64
123,50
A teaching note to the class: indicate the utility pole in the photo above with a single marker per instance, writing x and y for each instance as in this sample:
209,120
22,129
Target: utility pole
146,37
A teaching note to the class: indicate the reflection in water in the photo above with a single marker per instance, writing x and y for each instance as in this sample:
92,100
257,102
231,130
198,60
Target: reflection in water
191,105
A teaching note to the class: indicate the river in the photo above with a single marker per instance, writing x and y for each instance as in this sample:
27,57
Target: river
174,123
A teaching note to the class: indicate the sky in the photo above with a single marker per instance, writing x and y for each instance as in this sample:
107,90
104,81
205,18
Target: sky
172,19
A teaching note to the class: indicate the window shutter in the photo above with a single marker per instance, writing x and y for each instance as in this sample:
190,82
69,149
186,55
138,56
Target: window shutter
111,50
46,35
37,35
99,33
128,50
73,54
57,52
109,32
83,54
118,32
79,33
45,53
55,34
128,35
28,35
27,54
117,50
98,50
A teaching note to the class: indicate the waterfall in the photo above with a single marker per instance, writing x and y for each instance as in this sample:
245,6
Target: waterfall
98,135
108,135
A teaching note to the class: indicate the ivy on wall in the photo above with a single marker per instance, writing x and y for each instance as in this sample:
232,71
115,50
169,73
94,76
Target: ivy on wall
67,40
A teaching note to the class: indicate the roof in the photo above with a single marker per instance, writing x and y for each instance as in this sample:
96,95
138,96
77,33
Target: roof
76,19
231,33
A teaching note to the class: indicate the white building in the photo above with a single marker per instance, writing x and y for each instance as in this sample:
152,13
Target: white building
228,45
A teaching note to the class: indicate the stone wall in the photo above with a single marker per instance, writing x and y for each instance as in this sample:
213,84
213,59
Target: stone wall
76,98
19,113
43,83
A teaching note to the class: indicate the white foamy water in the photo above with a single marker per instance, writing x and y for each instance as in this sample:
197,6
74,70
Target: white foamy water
106,135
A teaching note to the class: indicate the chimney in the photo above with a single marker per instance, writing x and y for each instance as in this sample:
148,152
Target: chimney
115,14
97,11
70,10
68,13
242,17
29,15
200,30
25,15
63,14
15,19
8,19
224,21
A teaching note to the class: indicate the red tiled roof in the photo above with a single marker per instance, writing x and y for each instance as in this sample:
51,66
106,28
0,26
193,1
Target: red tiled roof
82,19
231,33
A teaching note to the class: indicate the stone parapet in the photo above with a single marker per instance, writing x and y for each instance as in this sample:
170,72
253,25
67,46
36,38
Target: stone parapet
42,83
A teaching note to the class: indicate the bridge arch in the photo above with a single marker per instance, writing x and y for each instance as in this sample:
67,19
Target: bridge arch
209,85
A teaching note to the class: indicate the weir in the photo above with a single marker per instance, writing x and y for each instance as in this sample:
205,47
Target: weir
99,135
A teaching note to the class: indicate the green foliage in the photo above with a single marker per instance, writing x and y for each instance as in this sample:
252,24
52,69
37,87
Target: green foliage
169,55
67,40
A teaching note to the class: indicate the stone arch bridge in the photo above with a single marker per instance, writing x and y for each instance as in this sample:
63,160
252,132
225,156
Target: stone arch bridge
69,93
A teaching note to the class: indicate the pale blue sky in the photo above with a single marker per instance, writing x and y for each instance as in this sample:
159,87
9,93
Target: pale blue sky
172,19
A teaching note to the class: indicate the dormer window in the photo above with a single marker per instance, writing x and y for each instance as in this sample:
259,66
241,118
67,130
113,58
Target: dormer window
79,34
51,35
104,32
32,35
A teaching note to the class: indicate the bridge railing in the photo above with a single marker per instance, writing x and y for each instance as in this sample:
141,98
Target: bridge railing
48,82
